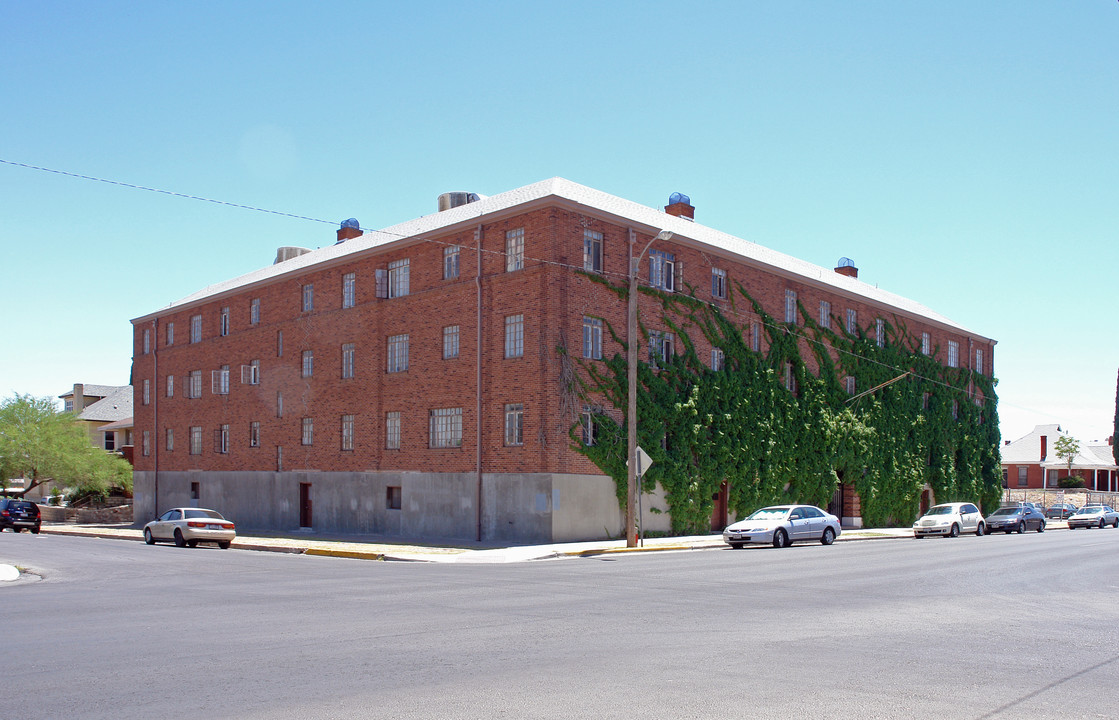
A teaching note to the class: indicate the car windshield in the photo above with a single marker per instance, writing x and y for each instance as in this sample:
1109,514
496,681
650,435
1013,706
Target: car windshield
941,510
202,514
1089,510
1005,511
770,513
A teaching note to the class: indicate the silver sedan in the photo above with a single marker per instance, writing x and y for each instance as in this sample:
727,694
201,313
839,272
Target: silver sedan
190,526
783,525
1094,516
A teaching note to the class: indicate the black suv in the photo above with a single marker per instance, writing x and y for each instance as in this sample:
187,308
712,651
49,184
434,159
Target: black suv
19,515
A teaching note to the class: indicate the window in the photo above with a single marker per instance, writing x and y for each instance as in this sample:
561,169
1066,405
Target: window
586,419
147,341
279,343
880,332
718,359
660,347
147,392
279,404
308,437
254,434
514,249
852,321
195,384
170,386
398,353
979,360
109,440
195,491
254,311
450,262
825,314
790,378
791,306
223,325
392,430
196,328
250,374
926,345
514,336
592,338
279,458
68,405
169,442
398,278
662,270
221,440
347,432
170,333
1022,478
849,384
450,342
718,283
955,409
514,424
308,368
925,399
349,290
953,353
756,337
347,361
308,297
592,251
219,381
196,440
392,497
147,443
446,427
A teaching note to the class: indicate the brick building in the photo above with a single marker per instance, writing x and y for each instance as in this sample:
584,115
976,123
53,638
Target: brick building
1031,461
407,381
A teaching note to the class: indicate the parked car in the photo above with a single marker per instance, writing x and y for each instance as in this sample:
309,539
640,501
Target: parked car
1060,511
190,526
17,515
1094,516
949,520
783,525
1021,518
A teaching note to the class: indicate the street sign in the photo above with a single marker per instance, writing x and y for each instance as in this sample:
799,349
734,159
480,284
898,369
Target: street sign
644,462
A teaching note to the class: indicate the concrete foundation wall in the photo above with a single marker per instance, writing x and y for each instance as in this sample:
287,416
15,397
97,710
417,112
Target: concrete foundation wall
516,507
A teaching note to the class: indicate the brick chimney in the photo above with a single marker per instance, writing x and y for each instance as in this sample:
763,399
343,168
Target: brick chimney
1044,447
846,266
349,229
680,205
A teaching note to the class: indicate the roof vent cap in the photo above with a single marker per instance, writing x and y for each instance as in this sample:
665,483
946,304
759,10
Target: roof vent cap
351,223
678,197
845,262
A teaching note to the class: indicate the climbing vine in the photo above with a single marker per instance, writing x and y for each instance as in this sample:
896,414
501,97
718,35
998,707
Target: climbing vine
777,429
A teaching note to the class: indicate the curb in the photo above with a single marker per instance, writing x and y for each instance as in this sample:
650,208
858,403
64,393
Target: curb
654,548
352,554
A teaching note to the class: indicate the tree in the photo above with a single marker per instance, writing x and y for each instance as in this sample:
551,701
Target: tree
41,444
1067,448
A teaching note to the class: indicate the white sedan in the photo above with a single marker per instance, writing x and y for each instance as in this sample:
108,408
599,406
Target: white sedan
783,525
190,526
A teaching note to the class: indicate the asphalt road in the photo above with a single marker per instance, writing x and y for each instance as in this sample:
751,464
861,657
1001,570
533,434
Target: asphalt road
994,627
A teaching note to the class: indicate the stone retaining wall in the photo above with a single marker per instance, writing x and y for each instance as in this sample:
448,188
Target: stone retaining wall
86,516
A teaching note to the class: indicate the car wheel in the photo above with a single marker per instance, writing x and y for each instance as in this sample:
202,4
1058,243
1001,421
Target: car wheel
829,536
1041,527
148,536
179,539
1101,523
954,532
224,545
1021,527
780,538
35,530
917,537
1115,523
192,543
980,530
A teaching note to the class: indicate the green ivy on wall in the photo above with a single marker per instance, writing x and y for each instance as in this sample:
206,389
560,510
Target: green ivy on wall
742,425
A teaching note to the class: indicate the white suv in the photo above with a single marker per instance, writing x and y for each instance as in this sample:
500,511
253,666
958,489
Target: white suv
949,520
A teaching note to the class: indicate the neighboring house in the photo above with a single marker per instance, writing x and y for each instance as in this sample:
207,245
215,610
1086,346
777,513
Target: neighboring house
407,381
1031,462
105,411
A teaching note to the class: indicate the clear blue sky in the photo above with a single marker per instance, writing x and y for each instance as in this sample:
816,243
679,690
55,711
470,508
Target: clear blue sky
963,153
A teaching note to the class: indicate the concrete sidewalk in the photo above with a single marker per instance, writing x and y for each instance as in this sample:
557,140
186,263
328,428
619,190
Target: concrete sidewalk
370,548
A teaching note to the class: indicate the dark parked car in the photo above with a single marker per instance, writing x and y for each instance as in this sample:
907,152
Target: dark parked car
19,515
1021,518
1060,511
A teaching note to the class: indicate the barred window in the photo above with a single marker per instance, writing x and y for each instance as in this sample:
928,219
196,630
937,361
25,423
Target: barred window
450,262
195,384
348,360
450,342
926,345
514,336
790,306
254,311
446,427
592,251
756,337
349,290
514,424
254,434
398,353
347,432
660,347
147,392
587,423
953,354
196,440
825,314
790,378
592,338
308,297
196,328
147,443
308,363
170,333
170,442
849,384
398,278
170,386
662,270
221,440
308,437
514,249
880,332
219,381
147,341
223,325
392,430
718,359
250,374
852,321
718,283
978,360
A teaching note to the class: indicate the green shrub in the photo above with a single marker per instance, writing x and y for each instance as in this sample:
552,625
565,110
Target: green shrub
1070,481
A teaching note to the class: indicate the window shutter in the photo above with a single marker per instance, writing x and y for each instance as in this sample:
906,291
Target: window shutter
215,381
669,267
382,277
246,375
217,441
678,274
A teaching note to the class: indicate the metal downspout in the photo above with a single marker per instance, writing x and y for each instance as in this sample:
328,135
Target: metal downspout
478,380
155,419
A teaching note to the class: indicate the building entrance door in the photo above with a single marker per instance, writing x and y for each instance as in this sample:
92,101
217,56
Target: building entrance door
304,505
719,512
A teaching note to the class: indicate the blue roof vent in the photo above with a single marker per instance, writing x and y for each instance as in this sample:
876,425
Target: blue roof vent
846,262
351,223
679,198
